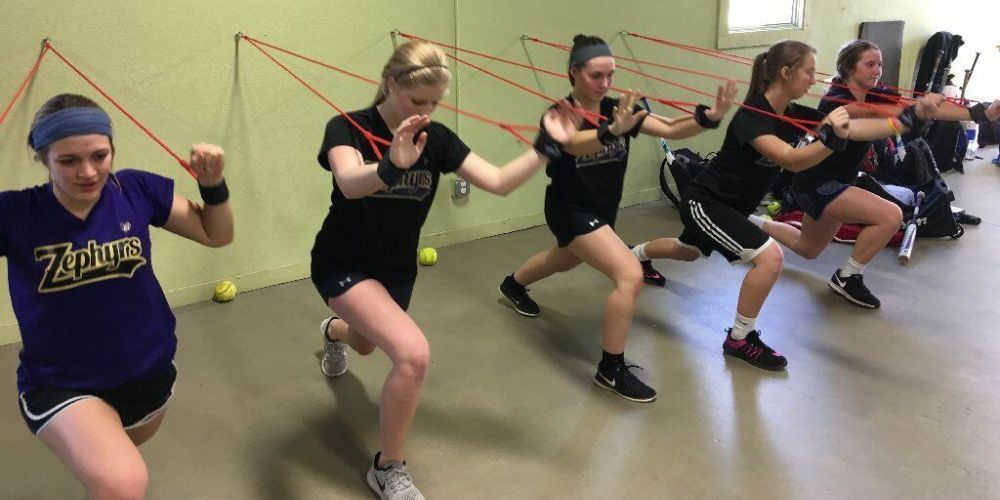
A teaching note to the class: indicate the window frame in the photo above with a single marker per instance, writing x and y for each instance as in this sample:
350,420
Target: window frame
763,35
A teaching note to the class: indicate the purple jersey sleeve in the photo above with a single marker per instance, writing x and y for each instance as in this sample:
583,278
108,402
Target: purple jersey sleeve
152,194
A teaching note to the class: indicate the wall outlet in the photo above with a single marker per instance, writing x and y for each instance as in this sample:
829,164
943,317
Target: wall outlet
460,189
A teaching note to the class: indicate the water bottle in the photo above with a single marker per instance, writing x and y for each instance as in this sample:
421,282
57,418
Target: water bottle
971,134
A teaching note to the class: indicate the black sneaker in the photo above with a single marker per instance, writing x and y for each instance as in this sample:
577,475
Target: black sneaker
518,295
622,382
854,290
651,276
753,350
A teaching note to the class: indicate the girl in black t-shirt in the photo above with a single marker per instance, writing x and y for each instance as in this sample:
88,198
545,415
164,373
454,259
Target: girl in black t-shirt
364,258
716,205
827,194
581,204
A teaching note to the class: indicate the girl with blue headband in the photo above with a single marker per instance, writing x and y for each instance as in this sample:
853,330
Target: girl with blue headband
96,367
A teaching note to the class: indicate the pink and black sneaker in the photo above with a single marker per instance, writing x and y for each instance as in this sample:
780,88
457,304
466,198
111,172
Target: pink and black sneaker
651,276
753,350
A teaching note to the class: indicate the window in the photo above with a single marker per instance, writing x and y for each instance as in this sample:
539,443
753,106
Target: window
747,16
748,23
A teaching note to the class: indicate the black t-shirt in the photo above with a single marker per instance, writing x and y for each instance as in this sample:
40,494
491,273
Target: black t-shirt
843,166
595,180
739,175
379,233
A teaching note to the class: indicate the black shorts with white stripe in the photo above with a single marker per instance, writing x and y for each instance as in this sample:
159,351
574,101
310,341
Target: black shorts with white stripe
711,226
137,401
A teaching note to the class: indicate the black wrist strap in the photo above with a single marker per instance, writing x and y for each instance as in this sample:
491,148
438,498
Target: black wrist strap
387,171
978,114
547,146
214,195
702,118
605,135
830,139
908,117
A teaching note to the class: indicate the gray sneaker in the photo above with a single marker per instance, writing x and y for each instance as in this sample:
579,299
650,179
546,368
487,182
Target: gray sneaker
334,362
393,482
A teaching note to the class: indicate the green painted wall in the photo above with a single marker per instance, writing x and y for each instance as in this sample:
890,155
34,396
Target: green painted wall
176,66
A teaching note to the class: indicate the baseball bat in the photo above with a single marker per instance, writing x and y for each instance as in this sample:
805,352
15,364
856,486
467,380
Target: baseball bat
910,235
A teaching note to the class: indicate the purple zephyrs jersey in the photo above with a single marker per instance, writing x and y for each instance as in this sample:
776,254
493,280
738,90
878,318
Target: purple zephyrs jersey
91,313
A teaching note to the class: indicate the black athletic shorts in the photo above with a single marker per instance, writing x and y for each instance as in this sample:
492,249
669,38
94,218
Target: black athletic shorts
567,221
336,284
711,226
815,201
137,401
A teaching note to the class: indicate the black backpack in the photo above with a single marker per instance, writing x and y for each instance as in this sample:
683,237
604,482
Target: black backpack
949,144
683,169
989,134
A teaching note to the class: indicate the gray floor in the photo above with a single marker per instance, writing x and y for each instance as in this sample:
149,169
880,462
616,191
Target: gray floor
896,403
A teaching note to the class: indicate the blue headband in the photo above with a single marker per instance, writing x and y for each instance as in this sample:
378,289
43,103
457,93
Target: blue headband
581,56
69,122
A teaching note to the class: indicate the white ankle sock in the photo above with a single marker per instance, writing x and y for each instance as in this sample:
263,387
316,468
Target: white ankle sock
640,251
742,326
851,268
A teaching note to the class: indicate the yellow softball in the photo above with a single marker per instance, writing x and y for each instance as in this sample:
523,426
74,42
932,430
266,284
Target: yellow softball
225,291
427,256
774,208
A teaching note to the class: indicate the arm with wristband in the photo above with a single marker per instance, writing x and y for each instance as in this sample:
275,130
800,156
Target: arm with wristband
357,179
981,113
558,127
915,117
704,118
831,137
627,117
211,224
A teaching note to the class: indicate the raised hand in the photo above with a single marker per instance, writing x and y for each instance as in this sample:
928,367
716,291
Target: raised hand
403,151
840,120
624,118
723,101
207,162
562,122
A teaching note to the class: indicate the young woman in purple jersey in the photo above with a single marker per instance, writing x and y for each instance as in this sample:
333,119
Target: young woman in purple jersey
96,367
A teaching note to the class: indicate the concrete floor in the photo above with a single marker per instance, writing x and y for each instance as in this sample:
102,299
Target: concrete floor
896,403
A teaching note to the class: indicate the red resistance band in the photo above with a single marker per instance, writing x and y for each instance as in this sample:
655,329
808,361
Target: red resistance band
668,102
749,61
126,113
511,128
803,125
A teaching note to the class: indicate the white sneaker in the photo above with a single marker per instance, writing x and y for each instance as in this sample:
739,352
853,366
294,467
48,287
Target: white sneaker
393,482
334,361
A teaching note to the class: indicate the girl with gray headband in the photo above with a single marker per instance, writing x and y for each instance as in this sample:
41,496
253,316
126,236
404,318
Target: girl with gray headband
581,203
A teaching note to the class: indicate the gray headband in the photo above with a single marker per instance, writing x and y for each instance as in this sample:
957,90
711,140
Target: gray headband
581,56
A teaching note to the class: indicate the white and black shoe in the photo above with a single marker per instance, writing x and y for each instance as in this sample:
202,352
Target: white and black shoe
854,290
517,294
392,481
334,360
620,380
